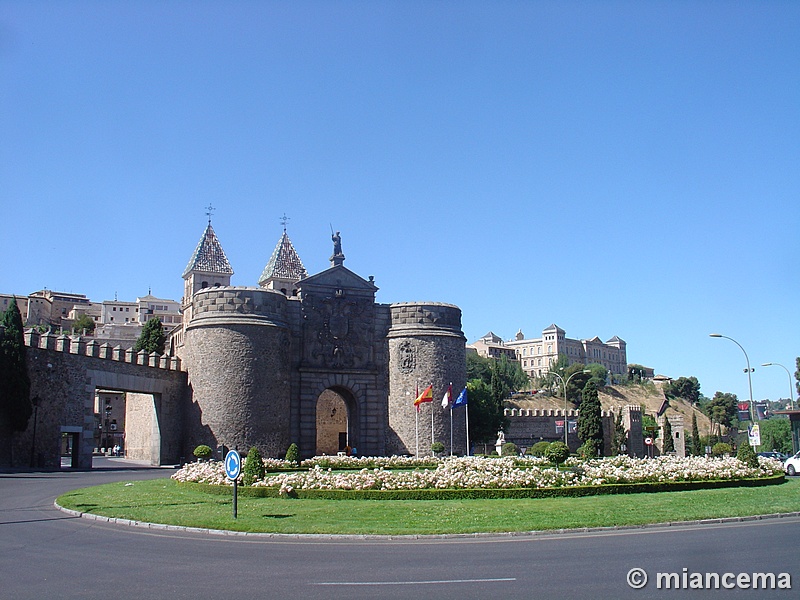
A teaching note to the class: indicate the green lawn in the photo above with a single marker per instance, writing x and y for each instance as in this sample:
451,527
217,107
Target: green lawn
163,501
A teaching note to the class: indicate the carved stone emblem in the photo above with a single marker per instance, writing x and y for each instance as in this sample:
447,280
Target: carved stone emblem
408,357
336,331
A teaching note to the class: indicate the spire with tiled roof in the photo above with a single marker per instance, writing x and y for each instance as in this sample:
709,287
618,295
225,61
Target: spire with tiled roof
284,268
209,257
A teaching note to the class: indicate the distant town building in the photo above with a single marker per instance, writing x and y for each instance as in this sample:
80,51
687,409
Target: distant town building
536,355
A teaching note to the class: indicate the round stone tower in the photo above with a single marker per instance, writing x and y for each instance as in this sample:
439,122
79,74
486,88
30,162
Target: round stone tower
237,353
426,347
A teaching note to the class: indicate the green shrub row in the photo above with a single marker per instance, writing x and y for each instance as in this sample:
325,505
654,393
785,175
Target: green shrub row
483,494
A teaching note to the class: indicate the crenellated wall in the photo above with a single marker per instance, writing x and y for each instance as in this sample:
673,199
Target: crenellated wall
528,426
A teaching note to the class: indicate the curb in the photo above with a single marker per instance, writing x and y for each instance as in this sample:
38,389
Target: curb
343,537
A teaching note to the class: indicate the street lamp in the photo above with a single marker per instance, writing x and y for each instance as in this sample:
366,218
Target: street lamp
564,384
791,383
748,370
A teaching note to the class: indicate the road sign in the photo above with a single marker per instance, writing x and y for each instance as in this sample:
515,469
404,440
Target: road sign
233,465
648,441
754,434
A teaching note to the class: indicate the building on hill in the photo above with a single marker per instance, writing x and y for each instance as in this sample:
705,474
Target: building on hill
492,346
537,354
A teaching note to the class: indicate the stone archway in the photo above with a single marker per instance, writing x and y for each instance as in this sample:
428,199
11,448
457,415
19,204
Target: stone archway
335,421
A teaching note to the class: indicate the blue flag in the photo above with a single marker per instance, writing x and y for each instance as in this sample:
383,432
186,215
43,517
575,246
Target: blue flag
461,400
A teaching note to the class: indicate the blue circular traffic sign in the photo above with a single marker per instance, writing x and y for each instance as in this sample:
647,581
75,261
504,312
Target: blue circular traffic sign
233,464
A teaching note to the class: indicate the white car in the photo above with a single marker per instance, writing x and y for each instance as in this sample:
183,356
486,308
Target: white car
792,464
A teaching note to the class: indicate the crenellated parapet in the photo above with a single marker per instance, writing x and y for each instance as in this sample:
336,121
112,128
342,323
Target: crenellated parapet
91,347
425,318
230,303
548,412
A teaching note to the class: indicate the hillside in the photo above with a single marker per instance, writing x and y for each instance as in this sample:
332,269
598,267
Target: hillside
616,396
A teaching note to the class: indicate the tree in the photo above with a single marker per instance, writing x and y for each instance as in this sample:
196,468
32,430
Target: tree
776,434
722,409
619,436
797,376
15,385
636,373
486,416
697,447
83,323
687,388
746,454
152,338
590,422
669,443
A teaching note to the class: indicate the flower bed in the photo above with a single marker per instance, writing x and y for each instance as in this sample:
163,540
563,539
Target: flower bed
476,473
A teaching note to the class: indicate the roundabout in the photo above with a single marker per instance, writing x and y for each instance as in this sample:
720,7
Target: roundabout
50,553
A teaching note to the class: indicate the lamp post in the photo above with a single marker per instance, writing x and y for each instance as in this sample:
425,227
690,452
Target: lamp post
748,370
791,383
564,384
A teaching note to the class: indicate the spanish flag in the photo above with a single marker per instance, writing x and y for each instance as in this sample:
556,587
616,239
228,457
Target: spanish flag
426,396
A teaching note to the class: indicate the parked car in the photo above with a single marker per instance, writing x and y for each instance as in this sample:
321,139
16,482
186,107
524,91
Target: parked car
792,465
776,455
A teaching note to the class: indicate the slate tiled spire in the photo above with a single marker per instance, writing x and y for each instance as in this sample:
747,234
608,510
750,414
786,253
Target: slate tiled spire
209,257
284,264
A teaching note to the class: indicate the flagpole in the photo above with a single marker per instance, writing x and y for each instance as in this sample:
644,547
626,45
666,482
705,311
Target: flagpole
451,430
450,404
466,412
432,410
416,419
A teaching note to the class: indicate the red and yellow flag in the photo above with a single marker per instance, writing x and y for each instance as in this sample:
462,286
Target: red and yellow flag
426,396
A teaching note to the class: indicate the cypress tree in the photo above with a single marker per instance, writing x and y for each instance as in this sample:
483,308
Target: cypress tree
152,338
669,443
697,449
15,386
590,422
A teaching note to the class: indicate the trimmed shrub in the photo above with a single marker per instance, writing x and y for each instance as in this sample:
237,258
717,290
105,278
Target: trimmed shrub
509,449
557,453
203,452
589,449
254,469
721,449
747,455
437,447
293,454
539,449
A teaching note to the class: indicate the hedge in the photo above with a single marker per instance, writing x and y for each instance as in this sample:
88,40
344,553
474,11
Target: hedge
501,493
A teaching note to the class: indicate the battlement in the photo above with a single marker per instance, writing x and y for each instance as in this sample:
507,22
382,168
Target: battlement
84,346
437,317
546,412
230,301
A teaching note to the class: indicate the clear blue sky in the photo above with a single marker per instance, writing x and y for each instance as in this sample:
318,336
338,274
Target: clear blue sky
616,168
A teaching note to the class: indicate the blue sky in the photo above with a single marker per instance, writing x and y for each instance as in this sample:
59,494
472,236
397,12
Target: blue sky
616,168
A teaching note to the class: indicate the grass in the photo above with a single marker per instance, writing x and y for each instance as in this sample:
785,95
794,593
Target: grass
163,501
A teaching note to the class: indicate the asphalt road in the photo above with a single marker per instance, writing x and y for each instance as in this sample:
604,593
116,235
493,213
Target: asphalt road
45,553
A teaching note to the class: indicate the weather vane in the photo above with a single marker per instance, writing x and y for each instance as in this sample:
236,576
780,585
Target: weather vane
209,211
284,219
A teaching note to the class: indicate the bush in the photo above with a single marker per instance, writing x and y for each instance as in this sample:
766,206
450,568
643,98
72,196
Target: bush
589,449
203,452
747,455
293,454
721,449
540,449
557,453
254,469
509,449
437,447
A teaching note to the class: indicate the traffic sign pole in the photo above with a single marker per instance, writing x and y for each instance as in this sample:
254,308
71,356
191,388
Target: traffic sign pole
235,497
233,467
